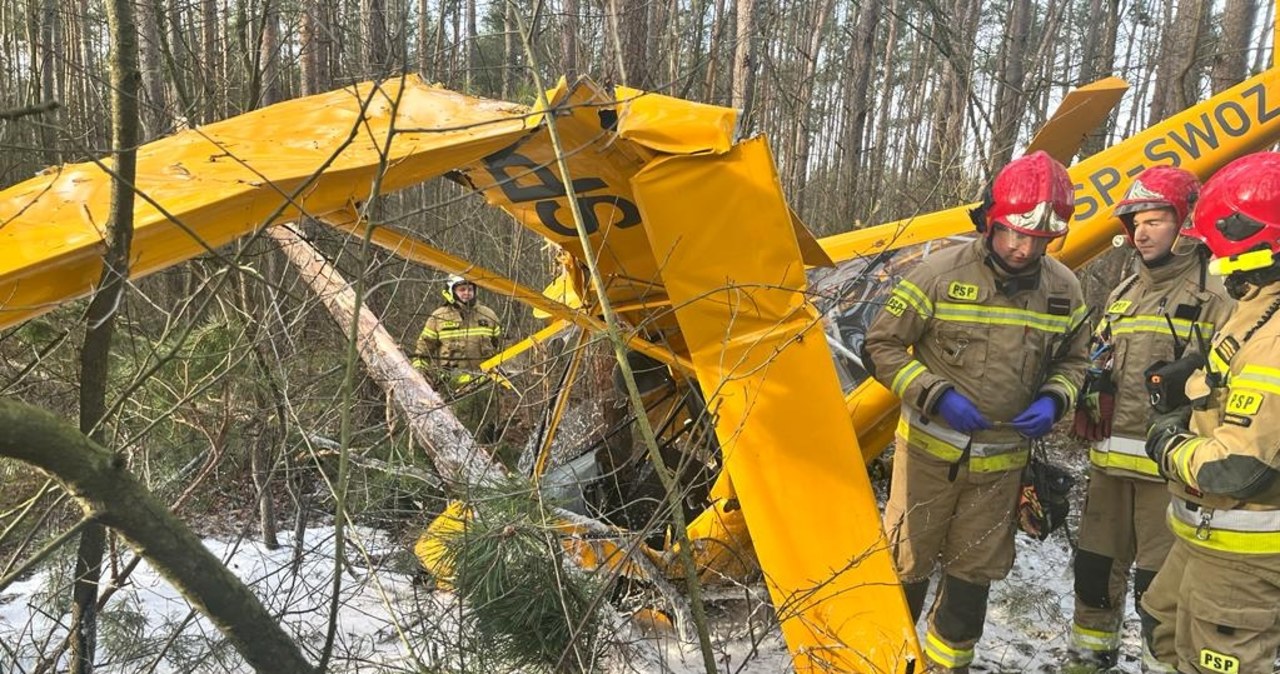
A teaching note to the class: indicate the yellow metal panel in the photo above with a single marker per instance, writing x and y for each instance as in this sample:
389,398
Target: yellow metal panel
732,267
673,125
1079,113
203,188
523,181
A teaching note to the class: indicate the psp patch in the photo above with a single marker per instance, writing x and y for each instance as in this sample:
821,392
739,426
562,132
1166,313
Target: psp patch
895,306
1219,662
966,292
1244,403
1119,306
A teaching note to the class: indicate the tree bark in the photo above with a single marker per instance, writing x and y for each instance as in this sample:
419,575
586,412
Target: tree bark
857,104
48,54
211,63
470,50
269,59
956,31
803,131
1175,75
509,50
373,21
1230,59
458,459
111,496
1100,61
713,52
1009,85
569,43
94,357
744,79
155,117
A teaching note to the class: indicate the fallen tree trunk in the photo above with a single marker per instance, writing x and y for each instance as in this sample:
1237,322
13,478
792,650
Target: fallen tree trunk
458,458
108,494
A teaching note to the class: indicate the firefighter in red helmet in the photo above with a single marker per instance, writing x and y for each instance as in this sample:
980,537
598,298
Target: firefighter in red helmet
982,343
1213,607
1167,309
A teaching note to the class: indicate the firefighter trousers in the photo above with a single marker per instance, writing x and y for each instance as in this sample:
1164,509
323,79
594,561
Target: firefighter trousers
1213,611
1123,524
966,523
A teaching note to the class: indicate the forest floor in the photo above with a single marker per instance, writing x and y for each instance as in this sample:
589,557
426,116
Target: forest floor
387,622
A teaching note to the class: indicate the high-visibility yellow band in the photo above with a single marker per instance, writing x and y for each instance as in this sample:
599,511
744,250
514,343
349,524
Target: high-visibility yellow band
1179,459
1125,325
1258,377
1224,540
989,315
461,333
1067,387
1254,259
1094,640
983,458
939,652
912,295
428,333
1122,461
906,375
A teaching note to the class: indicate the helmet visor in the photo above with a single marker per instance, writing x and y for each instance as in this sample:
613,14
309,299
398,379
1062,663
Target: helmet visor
1039,221
1238,227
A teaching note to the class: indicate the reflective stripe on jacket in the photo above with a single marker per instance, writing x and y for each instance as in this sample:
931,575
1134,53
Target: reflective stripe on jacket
948,444
955,321
458,339
1254,532
1138,315
1124,456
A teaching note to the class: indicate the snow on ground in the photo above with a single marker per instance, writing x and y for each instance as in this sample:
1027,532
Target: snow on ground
388,624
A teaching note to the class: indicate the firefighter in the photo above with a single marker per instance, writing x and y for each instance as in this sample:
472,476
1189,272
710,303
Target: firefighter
1170,307
982,343
1215,604
458,336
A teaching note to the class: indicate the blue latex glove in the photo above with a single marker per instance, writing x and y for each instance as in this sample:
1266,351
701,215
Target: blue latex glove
1037,420
960,413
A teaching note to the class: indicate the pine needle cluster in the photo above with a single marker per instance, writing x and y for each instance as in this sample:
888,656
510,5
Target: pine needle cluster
528,608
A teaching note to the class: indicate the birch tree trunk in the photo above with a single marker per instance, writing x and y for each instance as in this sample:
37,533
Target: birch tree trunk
744,79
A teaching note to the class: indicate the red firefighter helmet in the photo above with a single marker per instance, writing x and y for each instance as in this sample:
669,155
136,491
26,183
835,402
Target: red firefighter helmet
1238,213
1159,187
1032,195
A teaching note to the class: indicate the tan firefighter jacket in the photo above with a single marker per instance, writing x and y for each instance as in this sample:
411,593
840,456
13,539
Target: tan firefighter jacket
1223,478
456,339
957,321
1136,327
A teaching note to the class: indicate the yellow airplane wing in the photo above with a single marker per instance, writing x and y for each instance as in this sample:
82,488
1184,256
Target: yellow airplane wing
205,187
1081,111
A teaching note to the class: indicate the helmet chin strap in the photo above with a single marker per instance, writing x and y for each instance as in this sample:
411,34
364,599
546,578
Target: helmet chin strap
1027,278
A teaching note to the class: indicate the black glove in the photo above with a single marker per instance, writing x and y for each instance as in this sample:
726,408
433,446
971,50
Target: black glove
1167,382
1166,431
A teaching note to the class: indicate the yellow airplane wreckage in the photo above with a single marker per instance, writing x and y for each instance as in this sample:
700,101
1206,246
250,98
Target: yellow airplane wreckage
695,248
